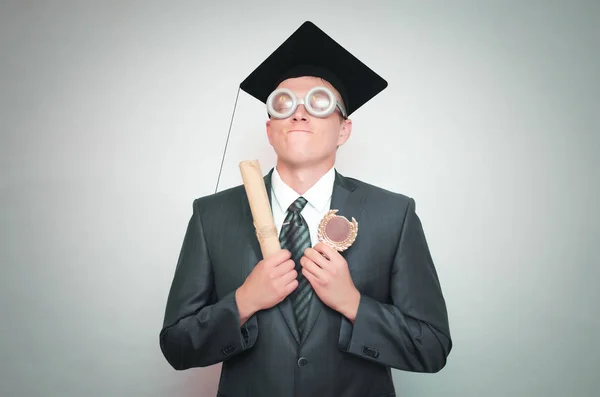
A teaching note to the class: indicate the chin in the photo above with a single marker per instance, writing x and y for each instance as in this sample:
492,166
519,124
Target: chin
301,155
295,161
299,160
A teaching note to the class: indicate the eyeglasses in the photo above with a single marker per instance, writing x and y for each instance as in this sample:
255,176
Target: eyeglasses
319,102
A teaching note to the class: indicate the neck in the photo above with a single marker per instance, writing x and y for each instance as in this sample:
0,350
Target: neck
301,178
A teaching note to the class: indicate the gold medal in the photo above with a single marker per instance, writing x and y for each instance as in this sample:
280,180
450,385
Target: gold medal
337,231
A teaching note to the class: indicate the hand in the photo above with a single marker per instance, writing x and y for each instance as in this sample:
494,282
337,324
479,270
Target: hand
271,280
328,273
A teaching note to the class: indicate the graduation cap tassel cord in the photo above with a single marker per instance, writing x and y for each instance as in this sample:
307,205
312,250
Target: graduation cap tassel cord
258,199
227,140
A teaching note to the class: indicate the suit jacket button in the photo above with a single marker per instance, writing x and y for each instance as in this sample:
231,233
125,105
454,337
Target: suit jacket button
370,352
228,349
302,362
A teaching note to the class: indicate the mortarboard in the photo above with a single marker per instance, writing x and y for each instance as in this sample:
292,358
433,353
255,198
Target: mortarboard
311,52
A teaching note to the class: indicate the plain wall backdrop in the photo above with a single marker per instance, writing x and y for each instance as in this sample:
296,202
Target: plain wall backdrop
114,117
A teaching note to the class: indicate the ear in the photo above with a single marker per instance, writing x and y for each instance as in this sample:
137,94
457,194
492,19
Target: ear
345,132
268,128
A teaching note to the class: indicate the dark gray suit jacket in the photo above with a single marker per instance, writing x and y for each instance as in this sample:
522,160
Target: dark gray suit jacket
401,322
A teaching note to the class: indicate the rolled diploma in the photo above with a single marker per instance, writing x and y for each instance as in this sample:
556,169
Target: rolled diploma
254,183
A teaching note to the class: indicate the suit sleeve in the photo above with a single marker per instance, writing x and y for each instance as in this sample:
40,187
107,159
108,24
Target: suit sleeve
199,330
411,332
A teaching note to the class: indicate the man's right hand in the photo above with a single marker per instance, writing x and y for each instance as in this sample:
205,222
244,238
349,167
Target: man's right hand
271,280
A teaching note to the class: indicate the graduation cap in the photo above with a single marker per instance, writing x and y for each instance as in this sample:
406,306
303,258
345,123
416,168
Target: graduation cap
311,52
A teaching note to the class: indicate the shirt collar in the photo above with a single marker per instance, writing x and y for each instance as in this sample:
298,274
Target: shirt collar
317,195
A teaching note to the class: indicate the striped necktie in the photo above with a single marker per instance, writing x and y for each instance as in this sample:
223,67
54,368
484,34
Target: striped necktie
295,237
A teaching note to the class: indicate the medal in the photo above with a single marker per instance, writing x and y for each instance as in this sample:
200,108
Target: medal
336,231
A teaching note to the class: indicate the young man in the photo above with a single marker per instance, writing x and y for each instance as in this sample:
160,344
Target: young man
308,321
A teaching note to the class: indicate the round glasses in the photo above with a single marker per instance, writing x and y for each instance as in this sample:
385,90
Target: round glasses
319,102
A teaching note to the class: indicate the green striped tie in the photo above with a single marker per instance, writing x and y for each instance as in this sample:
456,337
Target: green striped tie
295,237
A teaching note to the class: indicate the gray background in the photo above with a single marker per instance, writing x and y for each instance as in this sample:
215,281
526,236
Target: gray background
114,117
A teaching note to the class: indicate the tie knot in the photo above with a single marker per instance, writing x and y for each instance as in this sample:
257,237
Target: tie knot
297,205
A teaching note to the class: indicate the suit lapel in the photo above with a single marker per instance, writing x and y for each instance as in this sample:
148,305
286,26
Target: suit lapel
285,307
349,201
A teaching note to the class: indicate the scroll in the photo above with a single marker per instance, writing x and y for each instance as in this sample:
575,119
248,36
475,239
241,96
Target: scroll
254,183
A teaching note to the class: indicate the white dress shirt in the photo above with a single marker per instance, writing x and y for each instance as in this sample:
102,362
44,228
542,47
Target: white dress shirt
318,199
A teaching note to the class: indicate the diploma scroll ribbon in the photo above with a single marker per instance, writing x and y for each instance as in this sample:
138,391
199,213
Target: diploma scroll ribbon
262,216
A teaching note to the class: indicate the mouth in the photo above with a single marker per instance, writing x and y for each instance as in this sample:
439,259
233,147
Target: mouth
307,131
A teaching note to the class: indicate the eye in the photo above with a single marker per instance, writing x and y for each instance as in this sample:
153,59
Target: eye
319,101
282,103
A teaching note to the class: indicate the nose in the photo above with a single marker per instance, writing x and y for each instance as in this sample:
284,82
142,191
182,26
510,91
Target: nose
300,114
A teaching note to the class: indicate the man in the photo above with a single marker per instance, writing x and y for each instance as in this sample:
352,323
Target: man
308,321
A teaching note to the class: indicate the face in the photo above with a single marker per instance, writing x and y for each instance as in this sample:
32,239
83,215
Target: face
305,140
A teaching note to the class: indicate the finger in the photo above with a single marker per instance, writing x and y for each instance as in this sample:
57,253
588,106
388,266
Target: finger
316,257
312,279
291,286
336,261
283,268
288,277
278,257
313,268
326,251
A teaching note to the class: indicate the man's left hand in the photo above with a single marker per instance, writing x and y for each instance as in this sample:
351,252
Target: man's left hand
328,273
